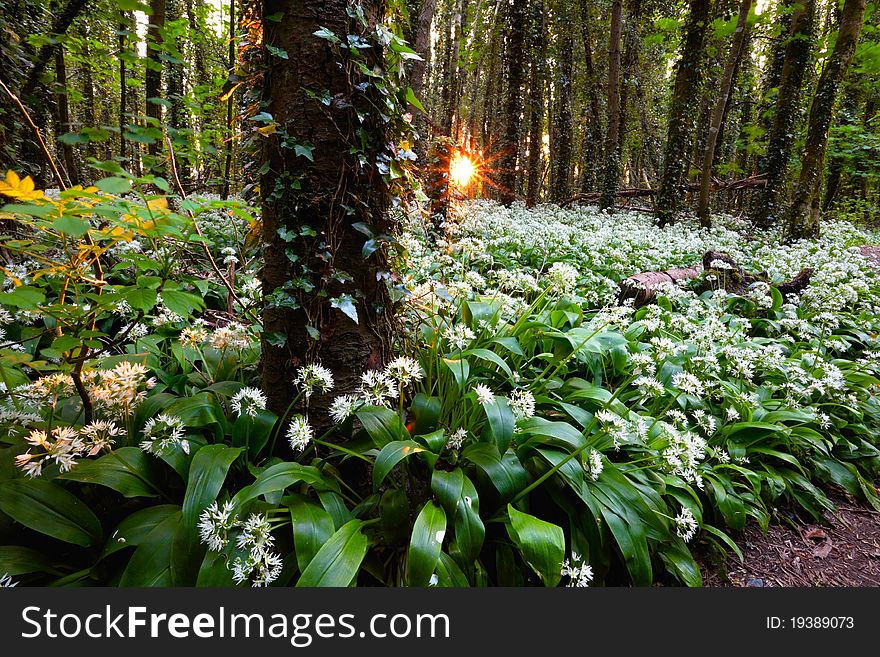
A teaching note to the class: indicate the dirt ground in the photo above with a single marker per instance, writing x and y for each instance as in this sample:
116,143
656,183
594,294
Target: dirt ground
845,552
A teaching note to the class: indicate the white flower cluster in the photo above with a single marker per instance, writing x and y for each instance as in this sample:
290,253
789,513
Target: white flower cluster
164,433
65,446
580,574
254,559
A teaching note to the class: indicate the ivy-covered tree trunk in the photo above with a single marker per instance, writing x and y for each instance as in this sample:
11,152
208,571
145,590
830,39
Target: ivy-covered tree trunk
178,116
682,111
591,147
536,104
802,219
324,300
422,45
768,203
153,74
513,103
611,174
562,135
740,38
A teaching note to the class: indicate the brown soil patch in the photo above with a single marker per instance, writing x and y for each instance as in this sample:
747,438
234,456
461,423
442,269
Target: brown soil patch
843,552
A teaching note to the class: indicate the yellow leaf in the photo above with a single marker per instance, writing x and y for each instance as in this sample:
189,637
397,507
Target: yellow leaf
21,189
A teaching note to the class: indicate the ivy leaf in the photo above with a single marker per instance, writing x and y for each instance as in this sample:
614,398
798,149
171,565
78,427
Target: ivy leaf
324,33
305,150
278,52
345,303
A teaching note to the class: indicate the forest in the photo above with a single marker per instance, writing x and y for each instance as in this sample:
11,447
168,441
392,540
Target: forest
435,293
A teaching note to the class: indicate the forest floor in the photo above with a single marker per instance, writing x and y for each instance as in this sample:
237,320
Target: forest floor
844,551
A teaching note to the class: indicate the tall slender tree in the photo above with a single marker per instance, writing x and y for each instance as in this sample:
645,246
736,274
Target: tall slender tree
562,134
737,47
802,219
513,102
682,110
153,74
536,102
611,174
768,203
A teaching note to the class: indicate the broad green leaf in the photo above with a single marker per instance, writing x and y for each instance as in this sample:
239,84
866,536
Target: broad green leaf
277,478
114,185
505,472
150,565
127,470
135,529
459,499
425,545
541,543
392,454
383,425
312,528
206,476
73,226
49,509
20,560
501,423
460,370
338,561
141,298
182,303
557,434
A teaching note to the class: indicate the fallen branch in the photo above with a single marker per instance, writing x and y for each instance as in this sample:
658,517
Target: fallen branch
726,274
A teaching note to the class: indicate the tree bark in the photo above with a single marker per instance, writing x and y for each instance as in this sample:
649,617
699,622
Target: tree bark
59,27
516,23
591,148
561,138
153,74
536,104
422,45
685,95
312,252
63,115
230,105
740,39
611,173
803,216
768,205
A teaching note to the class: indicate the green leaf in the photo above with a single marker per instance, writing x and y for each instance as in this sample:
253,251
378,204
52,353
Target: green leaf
312,528
338,561
412,100
73,226
182,303
459,498
277,478
25,297
382,424
305,150
206,476
541,543
460,370
49,509
151,563
345,303
501,423
135,529
114,185
392,454
426,412
558,434
141,298
127,470
505,472
425,545
324,33
278,52
20,560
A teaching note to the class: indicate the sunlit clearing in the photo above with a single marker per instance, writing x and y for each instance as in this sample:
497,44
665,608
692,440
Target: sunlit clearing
461,170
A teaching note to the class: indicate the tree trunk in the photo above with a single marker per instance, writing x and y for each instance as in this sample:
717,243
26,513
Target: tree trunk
768,204
562,137
180,132
153,74
685,95
740,39
313,263
536,103
123,28
63,116
230,104
591,149
516,22
422,45
59,27
450,76
803,216
611,174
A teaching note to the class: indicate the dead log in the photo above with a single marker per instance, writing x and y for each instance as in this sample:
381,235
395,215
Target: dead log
720,271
